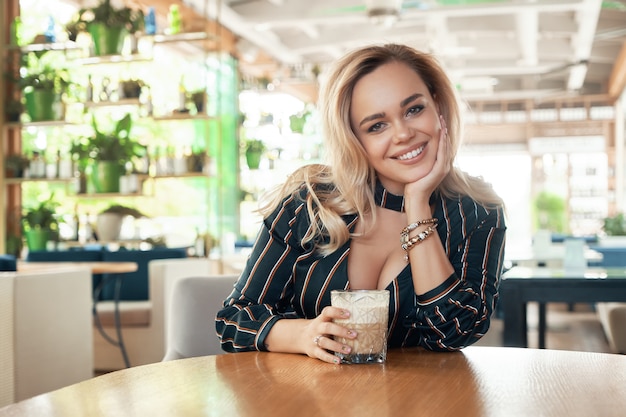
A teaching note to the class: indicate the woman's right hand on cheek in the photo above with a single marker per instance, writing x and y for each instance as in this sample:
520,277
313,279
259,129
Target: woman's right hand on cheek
318,335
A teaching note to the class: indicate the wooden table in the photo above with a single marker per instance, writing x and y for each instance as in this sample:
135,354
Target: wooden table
521,285
478,381
113,270
95,267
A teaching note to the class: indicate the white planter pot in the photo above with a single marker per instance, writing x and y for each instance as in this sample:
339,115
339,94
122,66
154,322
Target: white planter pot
109,226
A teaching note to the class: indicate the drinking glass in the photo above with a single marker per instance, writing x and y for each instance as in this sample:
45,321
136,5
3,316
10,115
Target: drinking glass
369,314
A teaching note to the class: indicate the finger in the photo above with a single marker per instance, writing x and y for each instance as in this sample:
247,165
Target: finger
330,312
332,329
444,141
327,346
443,125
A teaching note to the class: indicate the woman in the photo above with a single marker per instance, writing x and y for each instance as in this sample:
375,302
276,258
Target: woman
390,211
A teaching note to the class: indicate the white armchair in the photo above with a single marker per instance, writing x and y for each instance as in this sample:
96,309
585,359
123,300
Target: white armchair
190,322
45,331
143,322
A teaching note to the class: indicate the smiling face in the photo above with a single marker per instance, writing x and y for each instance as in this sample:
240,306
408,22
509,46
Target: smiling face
396,120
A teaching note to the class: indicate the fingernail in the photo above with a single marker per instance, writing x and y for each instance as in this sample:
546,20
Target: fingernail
345,313
351,333
336,361
346,349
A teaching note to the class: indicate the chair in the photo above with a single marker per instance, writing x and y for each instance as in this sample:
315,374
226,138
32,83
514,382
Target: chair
46,338
191,322
613,314
143,327
72,255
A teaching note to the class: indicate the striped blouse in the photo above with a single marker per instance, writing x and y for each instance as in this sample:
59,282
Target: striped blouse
283,279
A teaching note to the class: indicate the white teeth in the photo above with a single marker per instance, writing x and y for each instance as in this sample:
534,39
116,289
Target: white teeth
411,154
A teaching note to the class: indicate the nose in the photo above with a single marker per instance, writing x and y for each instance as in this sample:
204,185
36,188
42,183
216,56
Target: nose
404,132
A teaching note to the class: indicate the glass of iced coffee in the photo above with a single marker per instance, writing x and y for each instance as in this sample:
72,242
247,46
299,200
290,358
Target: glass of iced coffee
369,314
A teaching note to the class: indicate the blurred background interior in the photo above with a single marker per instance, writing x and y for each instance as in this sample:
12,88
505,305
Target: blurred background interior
158,139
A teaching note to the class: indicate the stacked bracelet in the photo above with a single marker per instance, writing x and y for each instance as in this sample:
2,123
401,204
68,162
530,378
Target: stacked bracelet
404,234
408,244
418,223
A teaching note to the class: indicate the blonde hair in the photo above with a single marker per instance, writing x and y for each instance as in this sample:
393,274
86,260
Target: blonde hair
348,180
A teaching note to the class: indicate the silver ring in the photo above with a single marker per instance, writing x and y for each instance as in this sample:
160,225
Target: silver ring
316,340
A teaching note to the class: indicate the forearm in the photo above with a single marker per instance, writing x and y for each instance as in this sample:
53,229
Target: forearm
285,336
430,265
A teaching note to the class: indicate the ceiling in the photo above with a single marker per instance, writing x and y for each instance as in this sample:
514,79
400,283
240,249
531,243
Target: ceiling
492,49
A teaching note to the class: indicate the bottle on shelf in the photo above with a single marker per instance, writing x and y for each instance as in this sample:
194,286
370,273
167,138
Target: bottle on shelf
150,22
50,32
37,166
182,94
76,221
51,167
89,90
174,20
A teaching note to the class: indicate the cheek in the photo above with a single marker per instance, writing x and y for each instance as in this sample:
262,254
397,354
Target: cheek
373,149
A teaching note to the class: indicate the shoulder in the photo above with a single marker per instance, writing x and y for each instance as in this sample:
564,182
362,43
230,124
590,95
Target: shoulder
467,211
290,221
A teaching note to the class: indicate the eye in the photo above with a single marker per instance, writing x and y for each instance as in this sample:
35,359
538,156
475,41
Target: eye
375,127
414,110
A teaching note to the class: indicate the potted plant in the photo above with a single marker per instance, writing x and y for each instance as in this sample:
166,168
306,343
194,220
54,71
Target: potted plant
614,228
615,225
43,87
254,149
109,26
297,121
131,88
550,211
109,221
198,98
109,153
196,161
40,224
13,110
15,165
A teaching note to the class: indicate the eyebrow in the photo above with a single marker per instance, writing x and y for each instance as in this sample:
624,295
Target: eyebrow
403,103
410,99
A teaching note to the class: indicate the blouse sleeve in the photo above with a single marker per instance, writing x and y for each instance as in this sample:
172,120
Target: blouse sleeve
457,313
261,295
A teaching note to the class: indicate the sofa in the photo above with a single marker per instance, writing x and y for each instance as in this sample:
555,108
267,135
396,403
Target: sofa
46,337
8,262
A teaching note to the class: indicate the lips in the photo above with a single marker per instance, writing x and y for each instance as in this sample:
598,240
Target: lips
411,154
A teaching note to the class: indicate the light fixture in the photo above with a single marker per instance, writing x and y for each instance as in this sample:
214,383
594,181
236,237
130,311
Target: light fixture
383,12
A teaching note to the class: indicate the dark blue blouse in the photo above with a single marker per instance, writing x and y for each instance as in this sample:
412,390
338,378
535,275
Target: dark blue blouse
284,279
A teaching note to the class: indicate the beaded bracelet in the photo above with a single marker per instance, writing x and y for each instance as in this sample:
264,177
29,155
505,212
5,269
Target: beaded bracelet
404,234
417,239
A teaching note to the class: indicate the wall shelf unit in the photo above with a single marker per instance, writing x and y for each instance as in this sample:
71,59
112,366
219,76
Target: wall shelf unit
162,129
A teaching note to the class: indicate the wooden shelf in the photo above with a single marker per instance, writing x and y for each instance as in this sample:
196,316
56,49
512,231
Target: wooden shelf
48,123
38,47
117,103
107,195
28,180
112,59
182,116
183,37
185,175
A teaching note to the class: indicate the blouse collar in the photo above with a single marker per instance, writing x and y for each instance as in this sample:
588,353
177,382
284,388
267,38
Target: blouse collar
385,199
